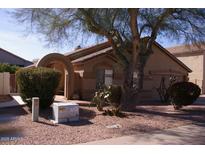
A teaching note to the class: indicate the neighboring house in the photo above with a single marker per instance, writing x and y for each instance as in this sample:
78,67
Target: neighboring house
194,58
85,69
10,58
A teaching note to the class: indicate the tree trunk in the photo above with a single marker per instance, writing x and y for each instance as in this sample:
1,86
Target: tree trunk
127,88
128,80
139,80
133,84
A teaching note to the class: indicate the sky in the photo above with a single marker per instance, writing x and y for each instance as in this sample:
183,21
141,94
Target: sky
15,39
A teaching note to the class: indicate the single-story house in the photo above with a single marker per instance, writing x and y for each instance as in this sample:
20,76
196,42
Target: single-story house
9,58
193,57
86,68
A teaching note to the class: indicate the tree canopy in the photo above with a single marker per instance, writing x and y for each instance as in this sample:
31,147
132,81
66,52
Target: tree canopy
125,28
117,25
58,25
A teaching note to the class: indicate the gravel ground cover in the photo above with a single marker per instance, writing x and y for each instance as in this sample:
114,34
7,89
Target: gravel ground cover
92,125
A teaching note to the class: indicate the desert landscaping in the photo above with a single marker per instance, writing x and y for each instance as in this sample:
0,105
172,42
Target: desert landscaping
102,76
93,125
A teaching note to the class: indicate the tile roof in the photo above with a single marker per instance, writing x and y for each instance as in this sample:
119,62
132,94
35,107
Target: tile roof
80,55
84,54
86,51
92,55
10,58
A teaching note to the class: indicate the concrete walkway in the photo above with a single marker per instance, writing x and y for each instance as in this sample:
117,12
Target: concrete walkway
190,134
15,102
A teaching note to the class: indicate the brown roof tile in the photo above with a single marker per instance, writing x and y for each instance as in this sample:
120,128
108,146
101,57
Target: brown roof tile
93,51
86,51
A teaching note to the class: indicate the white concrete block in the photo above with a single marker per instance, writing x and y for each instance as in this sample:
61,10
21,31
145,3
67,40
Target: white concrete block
64,112
35,108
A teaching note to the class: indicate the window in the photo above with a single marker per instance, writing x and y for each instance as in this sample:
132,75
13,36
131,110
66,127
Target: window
108,77
103,77
99,78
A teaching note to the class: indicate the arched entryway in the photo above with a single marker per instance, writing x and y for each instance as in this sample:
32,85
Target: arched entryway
47,61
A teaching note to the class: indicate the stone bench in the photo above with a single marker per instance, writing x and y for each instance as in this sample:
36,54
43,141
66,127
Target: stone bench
65,112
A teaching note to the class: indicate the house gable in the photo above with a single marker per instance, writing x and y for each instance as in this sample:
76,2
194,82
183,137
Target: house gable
86,54
163,61
106,60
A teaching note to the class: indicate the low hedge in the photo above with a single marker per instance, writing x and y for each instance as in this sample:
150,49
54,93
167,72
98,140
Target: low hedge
8,68
183,94
38,82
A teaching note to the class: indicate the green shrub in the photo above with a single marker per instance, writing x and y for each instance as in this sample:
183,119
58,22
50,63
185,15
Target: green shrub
111,97
38,82
115,95
162,89
183,94
8,68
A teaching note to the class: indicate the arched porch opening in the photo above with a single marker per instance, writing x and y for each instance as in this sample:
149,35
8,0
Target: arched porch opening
63,64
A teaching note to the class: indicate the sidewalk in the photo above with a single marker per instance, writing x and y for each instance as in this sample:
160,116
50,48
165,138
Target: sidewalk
15,102
200,100
190,134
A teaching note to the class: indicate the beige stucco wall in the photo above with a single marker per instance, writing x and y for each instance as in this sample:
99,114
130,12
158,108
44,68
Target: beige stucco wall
4,83
161,61
195,63
159,65
61,68
88,79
